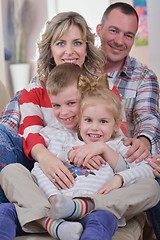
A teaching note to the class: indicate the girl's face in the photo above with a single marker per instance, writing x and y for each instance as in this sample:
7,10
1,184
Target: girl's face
70,47
97,123
66,106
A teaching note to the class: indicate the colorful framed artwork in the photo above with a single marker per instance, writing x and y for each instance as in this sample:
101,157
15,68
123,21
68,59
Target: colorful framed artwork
142,33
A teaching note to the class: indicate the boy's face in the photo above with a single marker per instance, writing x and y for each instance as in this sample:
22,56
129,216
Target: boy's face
66,105
97,123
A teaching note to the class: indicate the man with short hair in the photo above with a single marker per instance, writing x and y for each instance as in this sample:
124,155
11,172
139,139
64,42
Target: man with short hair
137,85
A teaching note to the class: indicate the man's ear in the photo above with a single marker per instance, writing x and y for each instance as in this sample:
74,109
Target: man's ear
98,29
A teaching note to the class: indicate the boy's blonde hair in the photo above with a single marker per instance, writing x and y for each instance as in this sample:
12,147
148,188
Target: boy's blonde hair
62,76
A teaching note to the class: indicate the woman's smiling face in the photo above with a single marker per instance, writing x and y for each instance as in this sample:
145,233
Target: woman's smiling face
70,47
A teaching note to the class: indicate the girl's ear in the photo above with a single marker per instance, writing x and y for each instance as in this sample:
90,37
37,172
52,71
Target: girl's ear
117,125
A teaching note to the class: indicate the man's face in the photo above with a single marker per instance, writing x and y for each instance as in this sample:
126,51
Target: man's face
117,35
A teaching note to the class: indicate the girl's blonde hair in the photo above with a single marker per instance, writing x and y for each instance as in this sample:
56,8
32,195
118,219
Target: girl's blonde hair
98,90
54,30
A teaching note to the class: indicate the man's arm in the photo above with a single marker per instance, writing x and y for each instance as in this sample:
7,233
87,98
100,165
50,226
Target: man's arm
146,111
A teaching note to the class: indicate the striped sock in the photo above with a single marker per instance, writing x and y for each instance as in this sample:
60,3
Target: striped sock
68,208
52,226
58,229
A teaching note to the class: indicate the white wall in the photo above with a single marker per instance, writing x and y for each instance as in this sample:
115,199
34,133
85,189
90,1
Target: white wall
154,35
2,61
92,10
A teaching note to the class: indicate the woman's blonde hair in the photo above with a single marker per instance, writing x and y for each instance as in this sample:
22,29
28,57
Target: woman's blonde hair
54,30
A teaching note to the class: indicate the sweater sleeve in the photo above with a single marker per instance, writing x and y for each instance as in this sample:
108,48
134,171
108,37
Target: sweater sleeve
36,111
132,171
137,172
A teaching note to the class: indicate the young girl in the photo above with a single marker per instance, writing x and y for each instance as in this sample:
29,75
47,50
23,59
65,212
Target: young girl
100,120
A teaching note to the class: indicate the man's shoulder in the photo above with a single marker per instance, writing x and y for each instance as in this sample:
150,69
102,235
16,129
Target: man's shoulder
134,66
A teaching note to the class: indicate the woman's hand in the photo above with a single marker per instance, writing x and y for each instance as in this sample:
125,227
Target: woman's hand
138,151
115,183
53,167
155,164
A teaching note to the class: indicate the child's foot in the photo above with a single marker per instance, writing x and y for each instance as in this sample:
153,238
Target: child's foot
58,229
65,207
70,230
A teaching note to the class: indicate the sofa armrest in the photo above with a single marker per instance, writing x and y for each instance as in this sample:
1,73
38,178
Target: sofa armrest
4,96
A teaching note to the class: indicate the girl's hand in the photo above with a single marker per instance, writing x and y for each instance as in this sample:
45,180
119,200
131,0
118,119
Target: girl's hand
138,150
94,163
155,164
85,154
115,183
53,167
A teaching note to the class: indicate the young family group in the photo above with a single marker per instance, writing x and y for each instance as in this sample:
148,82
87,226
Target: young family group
79,145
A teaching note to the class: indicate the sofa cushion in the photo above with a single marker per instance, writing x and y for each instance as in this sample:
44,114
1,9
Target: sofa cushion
4,96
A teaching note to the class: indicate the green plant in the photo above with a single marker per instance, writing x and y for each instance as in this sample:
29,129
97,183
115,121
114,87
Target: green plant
18,25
